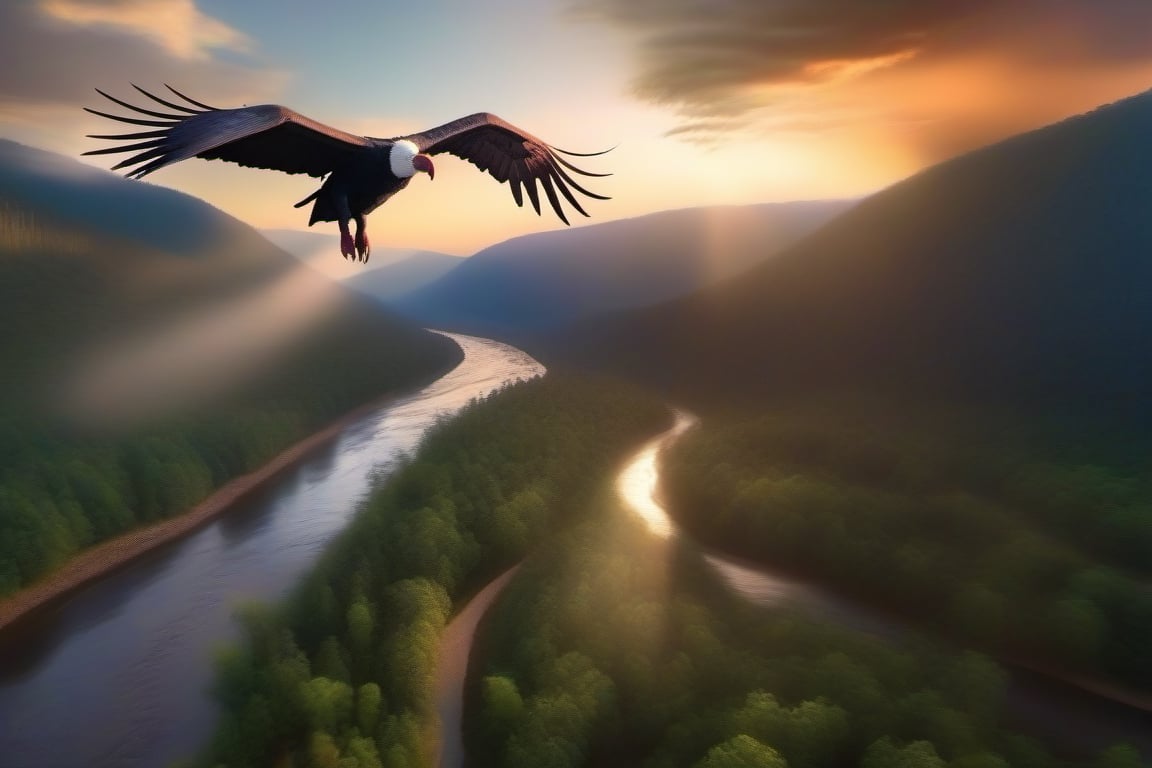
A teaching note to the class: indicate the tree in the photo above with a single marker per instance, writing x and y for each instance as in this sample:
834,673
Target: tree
360,625
329,661
323,752
369,708
363,750
742,752
884,754
327,703
503,706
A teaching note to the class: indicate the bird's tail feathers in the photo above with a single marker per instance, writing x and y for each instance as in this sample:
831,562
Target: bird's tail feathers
307,200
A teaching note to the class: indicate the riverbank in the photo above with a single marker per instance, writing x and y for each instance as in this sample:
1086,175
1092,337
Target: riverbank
886,620
760,582
108,556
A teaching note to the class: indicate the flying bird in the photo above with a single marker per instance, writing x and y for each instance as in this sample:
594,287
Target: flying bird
360,172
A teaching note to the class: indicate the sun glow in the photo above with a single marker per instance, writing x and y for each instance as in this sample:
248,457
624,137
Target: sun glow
196,357
637,484
845,69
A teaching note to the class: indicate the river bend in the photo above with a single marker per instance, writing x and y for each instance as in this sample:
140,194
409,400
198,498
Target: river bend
117,674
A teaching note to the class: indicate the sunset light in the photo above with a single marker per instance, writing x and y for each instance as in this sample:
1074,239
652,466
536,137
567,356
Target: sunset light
576,383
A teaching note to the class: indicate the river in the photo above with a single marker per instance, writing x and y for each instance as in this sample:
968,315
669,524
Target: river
1071,719
117,673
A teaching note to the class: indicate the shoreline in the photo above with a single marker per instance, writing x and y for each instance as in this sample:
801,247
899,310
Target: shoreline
1085,683
108,556
1109,690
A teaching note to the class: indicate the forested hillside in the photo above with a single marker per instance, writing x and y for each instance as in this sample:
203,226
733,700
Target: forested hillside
963,520
340,674
144,367
615,648
1013,274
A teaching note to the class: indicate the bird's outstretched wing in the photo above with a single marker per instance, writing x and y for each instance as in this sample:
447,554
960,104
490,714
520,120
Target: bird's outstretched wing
509,154
266,136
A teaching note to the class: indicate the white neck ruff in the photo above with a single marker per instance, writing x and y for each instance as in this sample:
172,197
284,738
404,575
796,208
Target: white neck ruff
400,158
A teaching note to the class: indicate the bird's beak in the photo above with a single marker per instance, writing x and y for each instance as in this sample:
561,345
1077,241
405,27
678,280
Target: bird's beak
424,163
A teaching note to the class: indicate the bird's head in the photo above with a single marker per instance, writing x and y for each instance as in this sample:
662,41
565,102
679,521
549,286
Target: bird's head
406,160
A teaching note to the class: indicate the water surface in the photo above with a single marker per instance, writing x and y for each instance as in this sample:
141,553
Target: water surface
117,674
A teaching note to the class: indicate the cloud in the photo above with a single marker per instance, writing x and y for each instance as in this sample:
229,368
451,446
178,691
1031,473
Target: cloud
177,25
696,54
60,49
907,67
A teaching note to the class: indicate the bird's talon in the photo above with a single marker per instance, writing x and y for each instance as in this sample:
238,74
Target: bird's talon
362,246
347,247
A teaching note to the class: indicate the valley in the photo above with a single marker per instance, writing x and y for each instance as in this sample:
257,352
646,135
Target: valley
857,482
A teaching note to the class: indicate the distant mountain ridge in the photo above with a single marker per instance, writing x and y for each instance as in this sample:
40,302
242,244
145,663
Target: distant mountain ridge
389,274
72,193
1019,271
548,280
89,258
395,280
315,244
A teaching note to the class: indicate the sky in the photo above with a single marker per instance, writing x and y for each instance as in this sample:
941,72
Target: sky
705,101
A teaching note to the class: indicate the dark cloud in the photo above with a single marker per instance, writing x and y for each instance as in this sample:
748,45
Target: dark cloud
52,61
731,62
695,53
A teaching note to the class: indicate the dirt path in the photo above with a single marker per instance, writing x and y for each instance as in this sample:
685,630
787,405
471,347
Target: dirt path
452,668
107,556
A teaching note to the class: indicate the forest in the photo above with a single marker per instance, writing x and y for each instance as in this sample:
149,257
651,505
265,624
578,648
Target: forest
613,647
64,488
990,532
339,674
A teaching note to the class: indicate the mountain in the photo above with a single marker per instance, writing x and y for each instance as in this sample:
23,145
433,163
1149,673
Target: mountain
153,349
105,279
304,244
1017,273
96,201
307,245
548,280
393,280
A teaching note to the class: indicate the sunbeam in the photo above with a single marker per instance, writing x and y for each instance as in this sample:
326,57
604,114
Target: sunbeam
196,357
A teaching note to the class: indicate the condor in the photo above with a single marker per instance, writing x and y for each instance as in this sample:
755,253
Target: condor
360,172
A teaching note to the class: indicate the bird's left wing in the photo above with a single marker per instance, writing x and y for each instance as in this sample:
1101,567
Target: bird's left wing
267,136
509,154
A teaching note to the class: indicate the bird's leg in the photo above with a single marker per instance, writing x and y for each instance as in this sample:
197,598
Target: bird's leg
362,247
347,249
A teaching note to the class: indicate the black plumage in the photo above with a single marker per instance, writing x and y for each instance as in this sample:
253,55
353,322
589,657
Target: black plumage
358,171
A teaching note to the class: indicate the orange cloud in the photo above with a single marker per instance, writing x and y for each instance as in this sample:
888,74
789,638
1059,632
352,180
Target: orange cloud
176,25
929,78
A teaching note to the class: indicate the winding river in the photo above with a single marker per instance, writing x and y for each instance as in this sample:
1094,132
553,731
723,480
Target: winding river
117,674
1071,719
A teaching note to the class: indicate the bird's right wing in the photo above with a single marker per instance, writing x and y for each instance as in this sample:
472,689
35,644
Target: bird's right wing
267,136
509,154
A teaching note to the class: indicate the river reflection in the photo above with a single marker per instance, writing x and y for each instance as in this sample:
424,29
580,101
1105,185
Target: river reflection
1072,720
117,674
638,484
